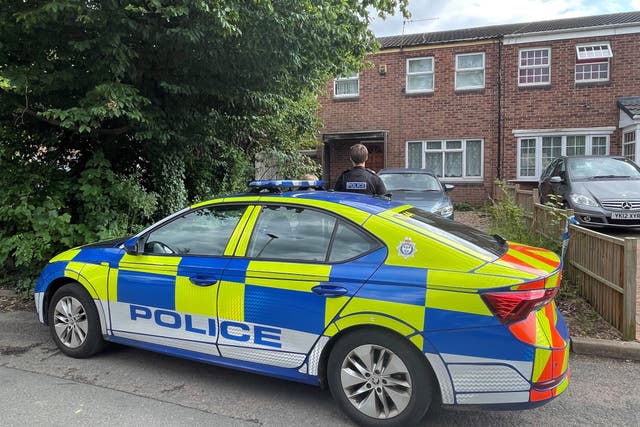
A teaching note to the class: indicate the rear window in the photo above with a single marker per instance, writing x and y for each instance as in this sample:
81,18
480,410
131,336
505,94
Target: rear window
462,234
410,181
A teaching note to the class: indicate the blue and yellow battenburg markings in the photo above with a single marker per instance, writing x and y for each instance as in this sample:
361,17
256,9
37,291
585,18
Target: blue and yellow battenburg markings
432,297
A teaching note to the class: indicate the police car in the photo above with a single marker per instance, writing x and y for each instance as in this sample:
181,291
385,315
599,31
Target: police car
392,308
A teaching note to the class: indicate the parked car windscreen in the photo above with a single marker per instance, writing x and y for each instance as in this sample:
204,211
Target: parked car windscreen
462,234
410,181
601,167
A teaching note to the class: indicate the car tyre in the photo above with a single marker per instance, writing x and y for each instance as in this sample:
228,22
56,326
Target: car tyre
74,322
380,379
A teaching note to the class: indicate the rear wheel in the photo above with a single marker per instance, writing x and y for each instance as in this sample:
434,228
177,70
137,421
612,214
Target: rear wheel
379,379
74,322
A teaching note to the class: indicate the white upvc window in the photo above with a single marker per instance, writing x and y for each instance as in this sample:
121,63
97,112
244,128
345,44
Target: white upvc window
629,145
592,62
347,86
450,159
534,67
470,71
420,75
535,152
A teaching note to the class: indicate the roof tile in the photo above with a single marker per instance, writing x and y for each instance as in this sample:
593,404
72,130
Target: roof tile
495,31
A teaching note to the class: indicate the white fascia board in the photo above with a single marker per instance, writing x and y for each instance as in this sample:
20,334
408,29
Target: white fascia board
606,130
626,122
573,33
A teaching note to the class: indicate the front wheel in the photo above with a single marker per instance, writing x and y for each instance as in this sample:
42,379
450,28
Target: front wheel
74,322
379,379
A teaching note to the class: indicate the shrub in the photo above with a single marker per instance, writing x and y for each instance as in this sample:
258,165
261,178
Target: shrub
508,220
44,209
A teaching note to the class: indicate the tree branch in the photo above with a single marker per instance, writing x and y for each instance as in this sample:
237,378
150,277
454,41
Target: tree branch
114,131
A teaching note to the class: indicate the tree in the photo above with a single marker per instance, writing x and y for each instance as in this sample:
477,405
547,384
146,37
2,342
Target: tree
179,95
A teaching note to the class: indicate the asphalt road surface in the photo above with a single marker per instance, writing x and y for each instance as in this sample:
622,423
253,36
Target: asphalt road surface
128,387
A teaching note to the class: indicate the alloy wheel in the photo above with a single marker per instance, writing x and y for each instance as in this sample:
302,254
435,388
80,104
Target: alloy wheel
376,381
70,322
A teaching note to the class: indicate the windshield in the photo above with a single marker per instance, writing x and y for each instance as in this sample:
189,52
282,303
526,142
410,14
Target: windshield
466,236
602,167
410,181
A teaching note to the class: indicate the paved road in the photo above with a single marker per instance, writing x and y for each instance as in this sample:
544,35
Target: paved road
125,386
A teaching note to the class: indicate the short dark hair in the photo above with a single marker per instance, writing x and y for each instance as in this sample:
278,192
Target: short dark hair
358,153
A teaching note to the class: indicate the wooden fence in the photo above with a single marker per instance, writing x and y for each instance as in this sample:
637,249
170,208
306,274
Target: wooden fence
545,220
604,267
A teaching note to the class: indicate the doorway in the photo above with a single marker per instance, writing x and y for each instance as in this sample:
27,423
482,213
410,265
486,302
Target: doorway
375,162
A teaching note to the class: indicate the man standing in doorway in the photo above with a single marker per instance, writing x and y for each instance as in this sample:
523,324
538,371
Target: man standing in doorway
359,179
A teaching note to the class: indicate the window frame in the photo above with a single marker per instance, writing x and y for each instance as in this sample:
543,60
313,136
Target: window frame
421,73
463,70
339,219
143,237
443,149
531,67
341,79
630,142
584,46
539,168
584,59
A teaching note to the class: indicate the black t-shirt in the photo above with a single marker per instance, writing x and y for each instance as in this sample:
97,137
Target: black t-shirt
360,180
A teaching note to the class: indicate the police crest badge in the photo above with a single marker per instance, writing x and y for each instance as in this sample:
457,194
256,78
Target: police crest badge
407,248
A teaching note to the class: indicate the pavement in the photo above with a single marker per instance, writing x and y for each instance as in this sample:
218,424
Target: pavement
626,350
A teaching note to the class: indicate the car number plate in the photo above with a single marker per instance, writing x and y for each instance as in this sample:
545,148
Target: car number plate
625,215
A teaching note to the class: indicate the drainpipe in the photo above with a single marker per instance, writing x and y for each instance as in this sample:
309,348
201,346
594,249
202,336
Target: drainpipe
500,142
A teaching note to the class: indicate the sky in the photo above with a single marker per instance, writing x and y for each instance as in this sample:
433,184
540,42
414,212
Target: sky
438,15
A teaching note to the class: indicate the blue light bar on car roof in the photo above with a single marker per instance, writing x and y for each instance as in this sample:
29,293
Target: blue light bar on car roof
284,183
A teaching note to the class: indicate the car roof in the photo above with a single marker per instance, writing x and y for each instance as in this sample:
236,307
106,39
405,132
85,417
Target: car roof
363,202
405,170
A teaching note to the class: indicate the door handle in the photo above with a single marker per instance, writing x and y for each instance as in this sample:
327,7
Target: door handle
203,280
329,290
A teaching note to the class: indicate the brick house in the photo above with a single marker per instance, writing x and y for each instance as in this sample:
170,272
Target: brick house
491,102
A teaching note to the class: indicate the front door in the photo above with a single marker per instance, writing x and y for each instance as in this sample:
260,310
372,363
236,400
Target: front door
375,162
167,293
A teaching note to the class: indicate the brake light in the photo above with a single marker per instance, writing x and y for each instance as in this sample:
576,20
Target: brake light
511,307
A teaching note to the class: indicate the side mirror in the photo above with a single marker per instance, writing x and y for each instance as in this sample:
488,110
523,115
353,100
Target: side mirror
449,187
555,180
131,246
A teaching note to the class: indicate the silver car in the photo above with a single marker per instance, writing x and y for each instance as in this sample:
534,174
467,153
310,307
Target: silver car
603,191
419,188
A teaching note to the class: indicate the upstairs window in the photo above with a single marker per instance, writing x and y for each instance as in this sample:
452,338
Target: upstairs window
534,68
419,75
347,86
592,62
470,71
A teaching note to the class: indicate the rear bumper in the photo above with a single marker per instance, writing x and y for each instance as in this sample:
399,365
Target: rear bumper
522,365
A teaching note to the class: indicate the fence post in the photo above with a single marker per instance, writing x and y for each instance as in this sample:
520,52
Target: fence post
630,288
535,195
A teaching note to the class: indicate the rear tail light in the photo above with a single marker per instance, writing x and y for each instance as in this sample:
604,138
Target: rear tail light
514,306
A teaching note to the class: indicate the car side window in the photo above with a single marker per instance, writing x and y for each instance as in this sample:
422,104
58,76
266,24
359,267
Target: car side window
560,170
548,170
204,231
291,233
349,242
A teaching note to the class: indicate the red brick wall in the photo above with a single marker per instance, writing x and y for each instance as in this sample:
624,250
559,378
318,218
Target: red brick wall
565,104
446,113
